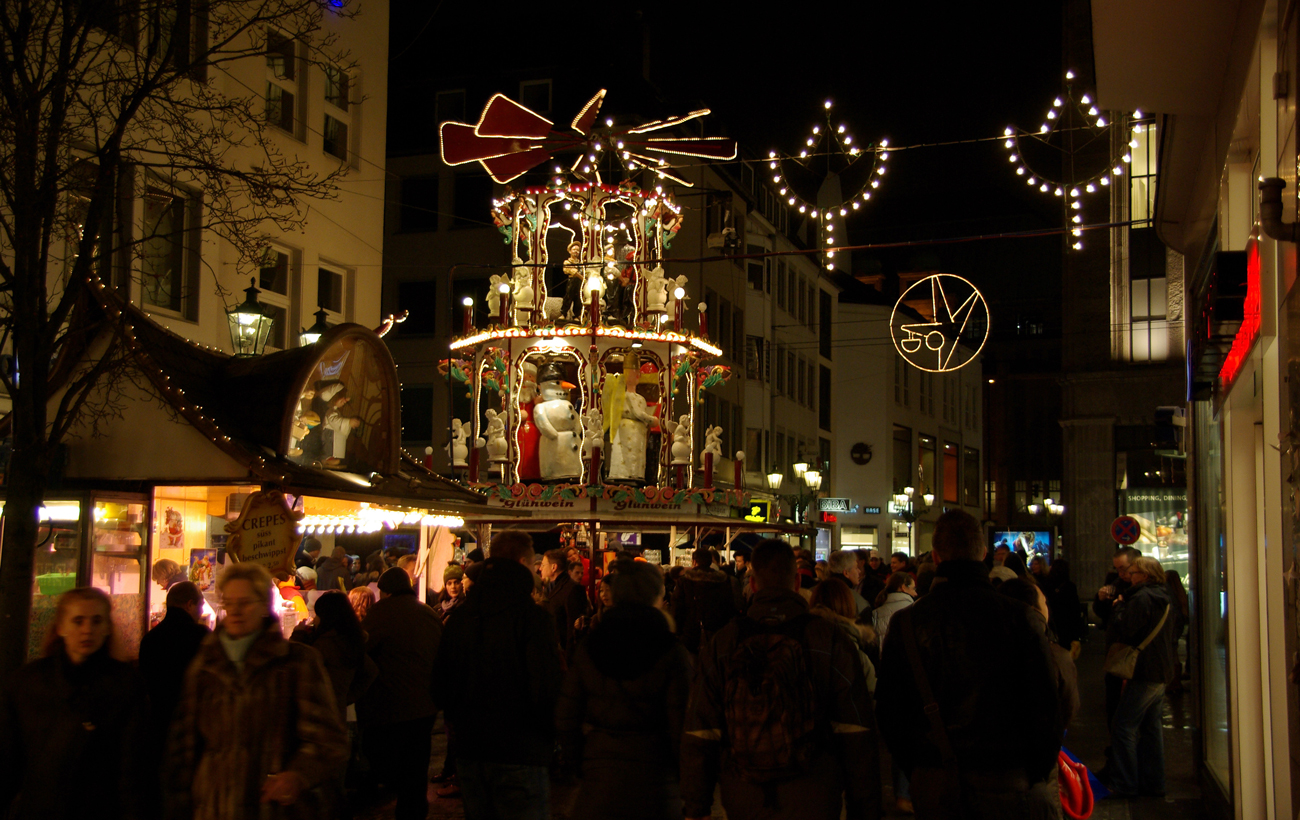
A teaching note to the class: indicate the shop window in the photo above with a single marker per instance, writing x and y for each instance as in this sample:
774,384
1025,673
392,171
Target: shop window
57,560
971,478
926,474
951,473
118,566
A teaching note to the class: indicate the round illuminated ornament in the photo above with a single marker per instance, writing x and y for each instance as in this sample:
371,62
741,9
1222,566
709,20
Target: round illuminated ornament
952,327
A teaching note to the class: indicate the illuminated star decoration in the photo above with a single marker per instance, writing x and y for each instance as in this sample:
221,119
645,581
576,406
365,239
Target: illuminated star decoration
955,305
1074,117
839,141
509,140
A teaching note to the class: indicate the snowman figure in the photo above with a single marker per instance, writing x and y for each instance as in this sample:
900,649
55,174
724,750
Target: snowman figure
559,451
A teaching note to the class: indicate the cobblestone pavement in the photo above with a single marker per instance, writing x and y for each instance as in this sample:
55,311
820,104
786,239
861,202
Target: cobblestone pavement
1088,739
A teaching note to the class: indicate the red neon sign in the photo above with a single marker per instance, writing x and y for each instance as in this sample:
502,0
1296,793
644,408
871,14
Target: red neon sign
1249,330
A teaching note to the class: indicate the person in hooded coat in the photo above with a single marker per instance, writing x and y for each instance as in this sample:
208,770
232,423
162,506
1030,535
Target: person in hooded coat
703,601
628,689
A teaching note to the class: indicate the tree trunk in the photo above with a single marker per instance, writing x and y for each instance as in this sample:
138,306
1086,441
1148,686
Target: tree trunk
24,494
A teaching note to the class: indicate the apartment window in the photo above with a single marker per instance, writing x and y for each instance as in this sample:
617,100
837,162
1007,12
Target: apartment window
281,81
449,106
902,457
754,358
824,398
951,473
418,204
723,330
337,112
780,369
926,404
535,95
417,413
275,278
898,380
926,464
791,296
754,274
332,292
803,381
169,251
971,477
1149,328
802,315
791,387
1142,148
176,27
420,297
780,284
737,340
949,400
473,196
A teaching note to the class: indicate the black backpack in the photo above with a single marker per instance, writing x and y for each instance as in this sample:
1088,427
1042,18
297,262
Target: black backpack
770,704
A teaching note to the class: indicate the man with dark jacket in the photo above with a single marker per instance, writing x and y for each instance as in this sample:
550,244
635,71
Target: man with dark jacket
331,569
732,724
165,654
498,679
308,553
969,646
704,601
565,600
1103,606
397,711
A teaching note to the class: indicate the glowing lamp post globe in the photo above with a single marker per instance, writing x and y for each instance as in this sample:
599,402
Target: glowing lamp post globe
250,324
905,503
311,335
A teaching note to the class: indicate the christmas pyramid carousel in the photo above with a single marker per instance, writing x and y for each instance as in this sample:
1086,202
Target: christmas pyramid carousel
585,390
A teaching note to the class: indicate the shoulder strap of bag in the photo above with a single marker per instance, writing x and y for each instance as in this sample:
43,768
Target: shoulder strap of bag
931,706
1156,631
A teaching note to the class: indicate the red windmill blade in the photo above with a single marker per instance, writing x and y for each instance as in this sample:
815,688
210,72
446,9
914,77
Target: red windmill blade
509,140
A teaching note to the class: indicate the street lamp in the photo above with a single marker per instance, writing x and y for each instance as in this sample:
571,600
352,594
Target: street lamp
311,335
774,479
250,324
905,503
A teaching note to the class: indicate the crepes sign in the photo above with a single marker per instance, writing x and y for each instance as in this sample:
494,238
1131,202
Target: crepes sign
266,531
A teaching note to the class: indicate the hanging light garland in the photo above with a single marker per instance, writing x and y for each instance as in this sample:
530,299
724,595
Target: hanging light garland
837,140
1070,114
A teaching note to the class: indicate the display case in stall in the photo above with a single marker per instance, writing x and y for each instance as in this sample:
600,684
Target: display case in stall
95,540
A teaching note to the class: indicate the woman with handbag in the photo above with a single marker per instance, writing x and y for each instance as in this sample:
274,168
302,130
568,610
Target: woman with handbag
1142,625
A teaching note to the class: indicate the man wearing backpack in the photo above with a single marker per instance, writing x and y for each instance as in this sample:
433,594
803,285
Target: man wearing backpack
946,668
780,712
703,601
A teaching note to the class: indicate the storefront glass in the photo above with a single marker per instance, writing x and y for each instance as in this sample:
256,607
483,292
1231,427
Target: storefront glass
1162,512
1210,592
117,565
58,558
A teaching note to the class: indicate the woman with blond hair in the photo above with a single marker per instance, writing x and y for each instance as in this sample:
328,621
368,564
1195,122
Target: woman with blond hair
1144,613
832,599
75,713
257,732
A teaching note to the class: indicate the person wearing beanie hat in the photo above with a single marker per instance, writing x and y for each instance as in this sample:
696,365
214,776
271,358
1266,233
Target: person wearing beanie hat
453,591
396,713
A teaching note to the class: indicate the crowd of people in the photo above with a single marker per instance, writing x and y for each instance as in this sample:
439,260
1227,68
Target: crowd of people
772,683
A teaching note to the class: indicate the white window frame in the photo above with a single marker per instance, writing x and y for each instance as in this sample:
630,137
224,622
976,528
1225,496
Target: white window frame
288,301
341,115
291,85
344,314
190,238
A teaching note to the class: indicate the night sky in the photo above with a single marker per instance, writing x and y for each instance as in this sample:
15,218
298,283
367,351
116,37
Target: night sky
915,73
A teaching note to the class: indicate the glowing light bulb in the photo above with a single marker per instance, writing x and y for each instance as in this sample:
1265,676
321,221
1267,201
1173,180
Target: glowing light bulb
791,200
1101,122
884,143
1042,129
1117,170
783,191
803,209
1043,187
1077,232
828,103
1012,158
881,170
1091,188
1009,143
875,183
867,195
1020,171
1085,99
1074,192
1076,204
840,129
817,129
1137,115
1105,180
1133,143
1077,219
772,165
1051,115
771,154
1058,192
803,154
776,178
813,214
1056,103
843,212
1069,75
1127,157
847,139
884,156
1006,132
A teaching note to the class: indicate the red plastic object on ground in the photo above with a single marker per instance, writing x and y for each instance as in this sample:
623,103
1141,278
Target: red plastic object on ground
1076,791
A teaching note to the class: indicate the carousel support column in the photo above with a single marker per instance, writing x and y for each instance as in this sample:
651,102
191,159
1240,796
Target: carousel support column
503,314
428,459
539,299
739,481
708,470
473,408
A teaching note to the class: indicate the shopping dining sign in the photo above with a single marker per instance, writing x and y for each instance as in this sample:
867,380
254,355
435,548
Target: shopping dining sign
266,531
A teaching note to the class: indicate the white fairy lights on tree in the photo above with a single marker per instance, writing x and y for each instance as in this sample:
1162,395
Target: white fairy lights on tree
1076,123
831,141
